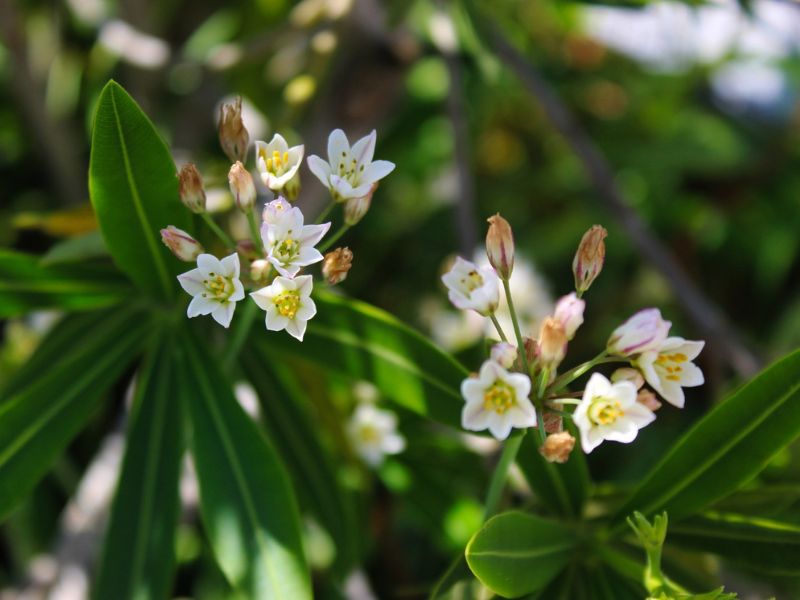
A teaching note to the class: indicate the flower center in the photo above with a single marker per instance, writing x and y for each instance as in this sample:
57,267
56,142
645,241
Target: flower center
604,411
472,281
218,287
349,169
369,434
499,397
669,365
288,249
288,303
276,164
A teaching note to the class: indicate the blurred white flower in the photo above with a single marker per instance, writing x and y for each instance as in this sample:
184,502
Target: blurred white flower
290,243
288,304
215,286
470,287
373,434
133,46
669,368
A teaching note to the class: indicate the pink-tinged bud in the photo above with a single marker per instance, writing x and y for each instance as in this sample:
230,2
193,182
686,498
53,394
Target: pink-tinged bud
504,354
190,186
648,399
500,246
242,187
589,258
181,244
259,269
336,265
356,208
569,312
552,346
557,447
643,332
628,374
233,136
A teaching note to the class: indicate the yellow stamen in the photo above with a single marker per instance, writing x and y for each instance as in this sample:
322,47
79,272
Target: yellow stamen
500,397
288,303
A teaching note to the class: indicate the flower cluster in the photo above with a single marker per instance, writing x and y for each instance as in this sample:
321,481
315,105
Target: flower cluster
282,246
519,385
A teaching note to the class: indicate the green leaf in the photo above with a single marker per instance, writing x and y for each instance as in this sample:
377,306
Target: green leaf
726,448
365,342
517,553
138,556
314,474
38,417
76,249
246,501
763,545
26,284
134,190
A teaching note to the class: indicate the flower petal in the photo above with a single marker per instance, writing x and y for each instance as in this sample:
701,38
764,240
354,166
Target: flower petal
364,149
200,306
224,313
377,170
338,147
320,168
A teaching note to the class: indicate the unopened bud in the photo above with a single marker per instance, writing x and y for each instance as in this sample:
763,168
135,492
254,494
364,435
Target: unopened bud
504,354
233,136
356,208
259,269
552,347
181,244
336,265
242,187
190,186
500,246
557,447
628,374
273,211
553,423
589,258
530,349
648,399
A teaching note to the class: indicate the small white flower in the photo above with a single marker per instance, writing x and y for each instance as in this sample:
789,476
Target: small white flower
275,211
569,312
472,287
609,411
289,243
497,400
215,286
669,368
288,304
373,434
350,171
504,354
277,162
643,332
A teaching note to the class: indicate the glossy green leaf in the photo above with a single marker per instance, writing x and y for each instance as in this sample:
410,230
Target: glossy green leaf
517,553
365,342
26,284
134,191
314,474
248,507
76,249
138,556
40,416
758,544
728,447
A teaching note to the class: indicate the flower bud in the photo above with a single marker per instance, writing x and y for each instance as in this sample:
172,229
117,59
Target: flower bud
648,399
504,354
336,265
643,332
553,423
190,186
530,349
356,208
259,269
273,211
181,244
500,246
628,374
242,187
233,136
552,346
589,258
557,447
569,312
247,249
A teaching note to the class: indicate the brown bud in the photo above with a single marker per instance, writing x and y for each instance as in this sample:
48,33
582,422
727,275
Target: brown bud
500,246
181,244
336,265
530,349
190,186
552,346
648,399
557,447
233,136
628,374
589,258
553,423
242,187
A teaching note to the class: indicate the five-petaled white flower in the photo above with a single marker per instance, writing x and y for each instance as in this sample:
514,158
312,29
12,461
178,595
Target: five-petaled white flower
643,332
289,243
373,434
472,287
669,368
350,171
609,411
277,163
215,286
497,400
288,304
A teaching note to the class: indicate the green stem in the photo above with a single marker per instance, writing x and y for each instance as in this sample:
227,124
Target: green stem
500,331
326,212
254,233
218,231
239,335
334,238
569,376
498,481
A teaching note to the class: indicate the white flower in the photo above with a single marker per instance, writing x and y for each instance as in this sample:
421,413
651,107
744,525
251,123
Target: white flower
288,304
472,287
609,411
350,171
643,332
669,368
215,286
275,211
569,312
497,400
277,162
373,434
289,243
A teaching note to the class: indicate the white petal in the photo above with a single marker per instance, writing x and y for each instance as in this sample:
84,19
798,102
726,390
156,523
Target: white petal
296,328
393,444
591,438
306,311
377,170
192,282
337,143
304,284
361,191
312,234
320,168
209,263
287,270
691,375
278,142
500,428
673,393
296,154
625,392
276,322
342,187
308,256
364,149
472,390
263,297
624,430
597,385
200,306
640,415
224,313
238,291
473,417
230,265
522,415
